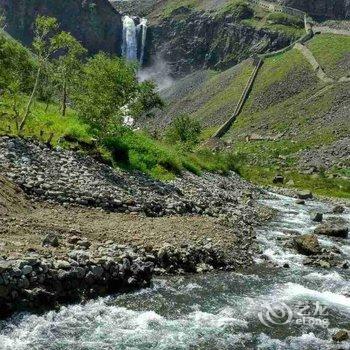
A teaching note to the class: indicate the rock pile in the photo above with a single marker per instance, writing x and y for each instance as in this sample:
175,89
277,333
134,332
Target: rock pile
37,283
34,283
68,177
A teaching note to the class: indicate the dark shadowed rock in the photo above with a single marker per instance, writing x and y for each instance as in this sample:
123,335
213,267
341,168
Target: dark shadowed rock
338,209
317,217
307,244
278,179
333,230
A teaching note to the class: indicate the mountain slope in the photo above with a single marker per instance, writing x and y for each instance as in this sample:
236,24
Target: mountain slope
291,120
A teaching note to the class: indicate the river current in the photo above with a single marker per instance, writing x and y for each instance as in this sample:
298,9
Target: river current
266,307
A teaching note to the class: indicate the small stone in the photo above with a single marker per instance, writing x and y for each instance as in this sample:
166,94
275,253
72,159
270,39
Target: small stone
84,244
338,209
73,240
62,264
26,270
324,264
278,179
300,202
51,239
341,335
97,271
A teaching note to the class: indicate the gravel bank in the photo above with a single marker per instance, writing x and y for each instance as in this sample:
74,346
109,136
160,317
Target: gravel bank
81,229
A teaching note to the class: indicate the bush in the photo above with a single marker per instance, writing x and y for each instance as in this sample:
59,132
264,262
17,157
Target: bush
288,20
184,130
239,10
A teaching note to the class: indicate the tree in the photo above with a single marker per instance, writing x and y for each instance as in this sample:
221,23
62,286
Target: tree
45,44
146,99
185,130
107,84
68,64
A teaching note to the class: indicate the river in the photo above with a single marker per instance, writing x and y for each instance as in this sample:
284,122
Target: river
266,307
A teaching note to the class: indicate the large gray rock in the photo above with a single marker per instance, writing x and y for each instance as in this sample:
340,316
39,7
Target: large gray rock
304,195
307,244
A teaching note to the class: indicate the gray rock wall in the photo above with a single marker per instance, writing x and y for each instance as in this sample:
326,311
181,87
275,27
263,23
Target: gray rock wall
200,41
321,8
93,22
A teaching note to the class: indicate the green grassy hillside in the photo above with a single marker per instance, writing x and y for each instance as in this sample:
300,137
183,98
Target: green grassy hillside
289,112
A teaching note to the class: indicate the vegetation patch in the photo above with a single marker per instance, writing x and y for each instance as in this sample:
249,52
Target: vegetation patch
332,52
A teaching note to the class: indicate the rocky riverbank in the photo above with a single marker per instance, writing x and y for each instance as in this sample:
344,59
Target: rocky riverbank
74,228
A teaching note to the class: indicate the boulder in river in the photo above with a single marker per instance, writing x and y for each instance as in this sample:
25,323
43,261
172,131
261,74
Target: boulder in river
307,244
317,217
338,209
339,231
341,335
304,195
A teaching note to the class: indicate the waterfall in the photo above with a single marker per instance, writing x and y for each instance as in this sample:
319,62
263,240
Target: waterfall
129,49
134,39
142,27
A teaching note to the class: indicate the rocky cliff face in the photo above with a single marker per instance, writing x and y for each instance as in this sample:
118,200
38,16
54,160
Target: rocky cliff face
93,22
321,8
194,40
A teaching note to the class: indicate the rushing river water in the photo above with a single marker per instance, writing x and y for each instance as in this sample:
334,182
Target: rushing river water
265,308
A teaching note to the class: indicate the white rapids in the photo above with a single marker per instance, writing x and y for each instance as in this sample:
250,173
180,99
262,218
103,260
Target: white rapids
211,312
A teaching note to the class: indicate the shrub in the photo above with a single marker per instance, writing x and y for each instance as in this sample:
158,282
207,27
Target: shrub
239,10
288,20
184,130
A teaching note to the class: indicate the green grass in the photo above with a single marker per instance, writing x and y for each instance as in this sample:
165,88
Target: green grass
42,123
127,149
319,185
330,50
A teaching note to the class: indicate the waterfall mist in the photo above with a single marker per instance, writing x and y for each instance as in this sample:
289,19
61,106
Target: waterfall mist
159,72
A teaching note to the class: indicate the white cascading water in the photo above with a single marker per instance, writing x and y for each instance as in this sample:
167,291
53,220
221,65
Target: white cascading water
132,35
142,27
129,49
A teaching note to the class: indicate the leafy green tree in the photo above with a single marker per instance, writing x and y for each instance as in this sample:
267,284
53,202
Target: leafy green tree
107,84
184,130
45,44
16,64
68,64
146,99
